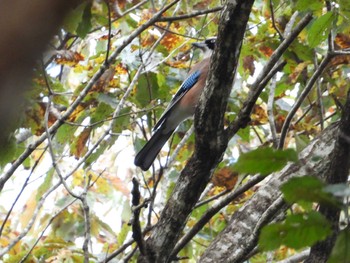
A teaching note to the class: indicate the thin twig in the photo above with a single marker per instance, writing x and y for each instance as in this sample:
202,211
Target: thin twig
198,13
109,30
181,144
46,227
319,96
265,75
87,221
21,191
302,97
123,247
273,20
270,113
82,94
213,198
212,211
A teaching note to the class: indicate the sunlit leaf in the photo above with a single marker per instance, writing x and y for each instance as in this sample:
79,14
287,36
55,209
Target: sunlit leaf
46,184
304,5
123,120
320,28
74,18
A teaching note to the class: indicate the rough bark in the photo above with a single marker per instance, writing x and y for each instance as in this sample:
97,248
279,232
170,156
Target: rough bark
210,140
240,236
337,172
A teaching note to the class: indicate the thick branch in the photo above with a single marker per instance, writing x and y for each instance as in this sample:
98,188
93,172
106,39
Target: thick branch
240,236
337,172
210,142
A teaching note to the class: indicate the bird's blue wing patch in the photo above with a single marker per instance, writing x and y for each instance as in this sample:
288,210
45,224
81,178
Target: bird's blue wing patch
189,82
185,86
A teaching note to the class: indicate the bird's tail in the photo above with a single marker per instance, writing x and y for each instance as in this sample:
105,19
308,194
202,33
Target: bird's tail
148,153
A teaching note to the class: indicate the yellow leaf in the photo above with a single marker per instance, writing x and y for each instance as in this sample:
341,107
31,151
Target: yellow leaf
28,210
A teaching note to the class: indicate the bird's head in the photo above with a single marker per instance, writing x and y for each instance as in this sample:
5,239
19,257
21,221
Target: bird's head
206,46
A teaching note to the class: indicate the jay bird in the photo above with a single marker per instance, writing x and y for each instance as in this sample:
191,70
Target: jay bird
181,107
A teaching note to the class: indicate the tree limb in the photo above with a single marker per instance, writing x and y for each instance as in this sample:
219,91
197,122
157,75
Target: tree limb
210,139
240,236
337,172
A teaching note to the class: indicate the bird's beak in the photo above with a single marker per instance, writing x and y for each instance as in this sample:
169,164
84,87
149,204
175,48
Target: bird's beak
200,45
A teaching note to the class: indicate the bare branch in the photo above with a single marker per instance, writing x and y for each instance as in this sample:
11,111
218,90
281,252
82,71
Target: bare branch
265,75
213,210
198,13
235,242
301,98
135,221
270,112
273,20
208,122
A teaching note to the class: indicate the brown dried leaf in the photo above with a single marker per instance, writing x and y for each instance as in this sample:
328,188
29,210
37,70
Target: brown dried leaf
340,60
225,177
170,41
342,41
176,64
297,71
248,64
79,147
68,57
259,115
267,51
104,80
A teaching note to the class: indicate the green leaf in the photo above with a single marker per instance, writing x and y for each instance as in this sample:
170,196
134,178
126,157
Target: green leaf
341,250
122,120
147,89
298,231
8,151
74,18
102,112
244,134
305,190
123,233
45,185
320,28
264,160
85,24
65,133
304,5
